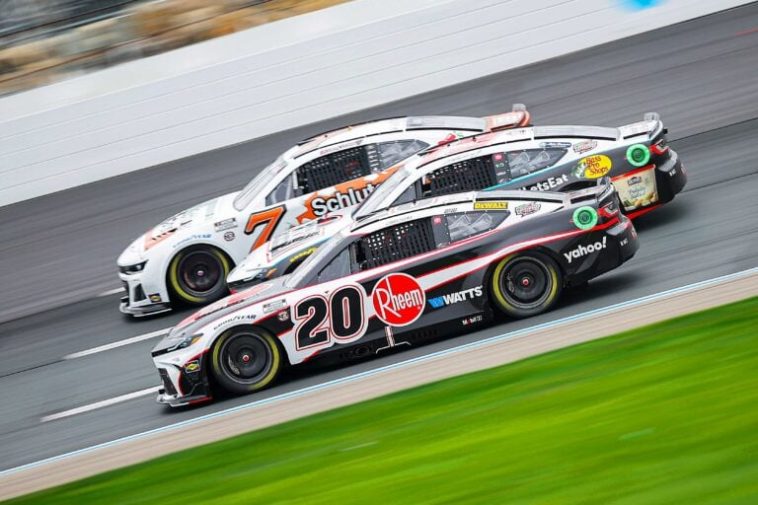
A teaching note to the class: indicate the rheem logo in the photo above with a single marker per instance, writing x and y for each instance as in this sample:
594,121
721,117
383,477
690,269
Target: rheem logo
398,299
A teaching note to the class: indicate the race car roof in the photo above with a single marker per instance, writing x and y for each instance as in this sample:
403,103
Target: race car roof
391,125
373,221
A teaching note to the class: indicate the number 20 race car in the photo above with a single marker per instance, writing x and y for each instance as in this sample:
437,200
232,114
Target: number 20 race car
645,172
187,257
401,276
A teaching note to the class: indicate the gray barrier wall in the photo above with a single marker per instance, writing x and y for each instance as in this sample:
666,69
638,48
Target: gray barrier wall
288,73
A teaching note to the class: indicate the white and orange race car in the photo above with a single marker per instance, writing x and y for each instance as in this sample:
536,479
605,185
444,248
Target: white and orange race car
187,257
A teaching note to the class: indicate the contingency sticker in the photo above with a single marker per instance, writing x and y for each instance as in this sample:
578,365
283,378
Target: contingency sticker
638,189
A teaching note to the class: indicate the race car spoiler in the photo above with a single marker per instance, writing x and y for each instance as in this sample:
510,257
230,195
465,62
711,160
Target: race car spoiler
518,117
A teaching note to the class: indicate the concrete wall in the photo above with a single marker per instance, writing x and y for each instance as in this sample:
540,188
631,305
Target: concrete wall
288,73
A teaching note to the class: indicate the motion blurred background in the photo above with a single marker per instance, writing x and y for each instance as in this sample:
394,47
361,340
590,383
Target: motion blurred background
43,41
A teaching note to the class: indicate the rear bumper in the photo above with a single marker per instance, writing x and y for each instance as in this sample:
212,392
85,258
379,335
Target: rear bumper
139,301
620,244
651,185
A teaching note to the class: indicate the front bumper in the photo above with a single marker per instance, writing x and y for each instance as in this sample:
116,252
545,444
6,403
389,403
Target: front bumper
182,384
137,302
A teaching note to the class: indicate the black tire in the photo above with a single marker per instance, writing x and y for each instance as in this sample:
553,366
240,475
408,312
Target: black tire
524,285
245,360
197,275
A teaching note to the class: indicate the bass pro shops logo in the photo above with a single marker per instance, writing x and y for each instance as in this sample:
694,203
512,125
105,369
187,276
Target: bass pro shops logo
584,250
398,299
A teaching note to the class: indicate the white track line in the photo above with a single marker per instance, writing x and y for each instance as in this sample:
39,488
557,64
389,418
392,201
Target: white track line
384,369
112,292
120,343
100,404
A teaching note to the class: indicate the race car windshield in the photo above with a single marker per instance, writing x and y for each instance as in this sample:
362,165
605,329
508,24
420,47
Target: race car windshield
304,270
378,199
260,181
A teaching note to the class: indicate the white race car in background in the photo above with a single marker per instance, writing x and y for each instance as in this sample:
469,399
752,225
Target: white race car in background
188,257
542,158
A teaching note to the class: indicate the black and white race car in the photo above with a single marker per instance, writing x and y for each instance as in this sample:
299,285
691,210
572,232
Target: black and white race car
644,170
401,276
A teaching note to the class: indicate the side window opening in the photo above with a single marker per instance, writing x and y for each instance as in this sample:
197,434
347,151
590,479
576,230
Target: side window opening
467,175
463,225
394,243
392,153
283,191
528,161
406,196
347,164
333,169
337,268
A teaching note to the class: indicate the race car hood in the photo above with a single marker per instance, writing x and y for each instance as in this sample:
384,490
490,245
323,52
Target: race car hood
293,245
191,325
213,210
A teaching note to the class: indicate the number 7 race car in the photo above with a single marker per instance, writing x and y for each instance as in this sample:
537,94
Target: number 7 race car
401,276
645,172
187,257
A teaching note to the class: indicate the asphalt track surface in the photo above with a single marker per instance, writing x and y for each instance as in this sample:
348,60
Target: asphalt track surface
60,249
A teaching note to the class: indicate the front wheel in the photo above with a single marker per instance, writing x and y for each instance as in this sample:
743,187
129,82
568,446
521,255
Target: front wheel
245,360
524,285
197,275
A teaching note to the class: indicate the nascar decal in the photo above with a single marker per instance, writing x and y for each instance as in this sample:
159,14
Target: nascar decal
593,167
344,195
320,322
398,299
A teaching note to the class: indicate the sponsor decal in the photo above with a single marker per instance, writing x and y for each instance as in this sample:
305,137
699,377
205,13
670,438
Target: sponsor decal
274,306
283,315
398,299
624,242
466,321
226,224
527,208
302,254
192,366
584,146
155,298
550,183
638,190
451,210
339,200
344,195
204,236
491,205
235,319
584,250
459,296
229,236
555,145
593,167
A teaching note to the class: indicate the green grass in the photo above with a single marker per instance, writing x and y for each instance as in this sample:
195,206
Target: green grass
663,414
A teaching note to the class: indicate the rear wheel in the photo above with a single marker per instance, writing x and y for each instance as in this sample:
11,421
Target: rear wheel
245,360
197,275
524,285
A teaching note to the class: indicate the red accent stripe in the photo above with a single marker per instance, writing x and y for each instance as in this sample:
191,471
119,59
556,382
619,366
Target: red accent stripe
633,172
518,248
641,212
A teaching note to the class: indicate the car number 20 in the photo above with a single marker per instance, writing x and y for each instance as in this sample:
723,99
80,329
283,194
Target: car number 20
322,322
